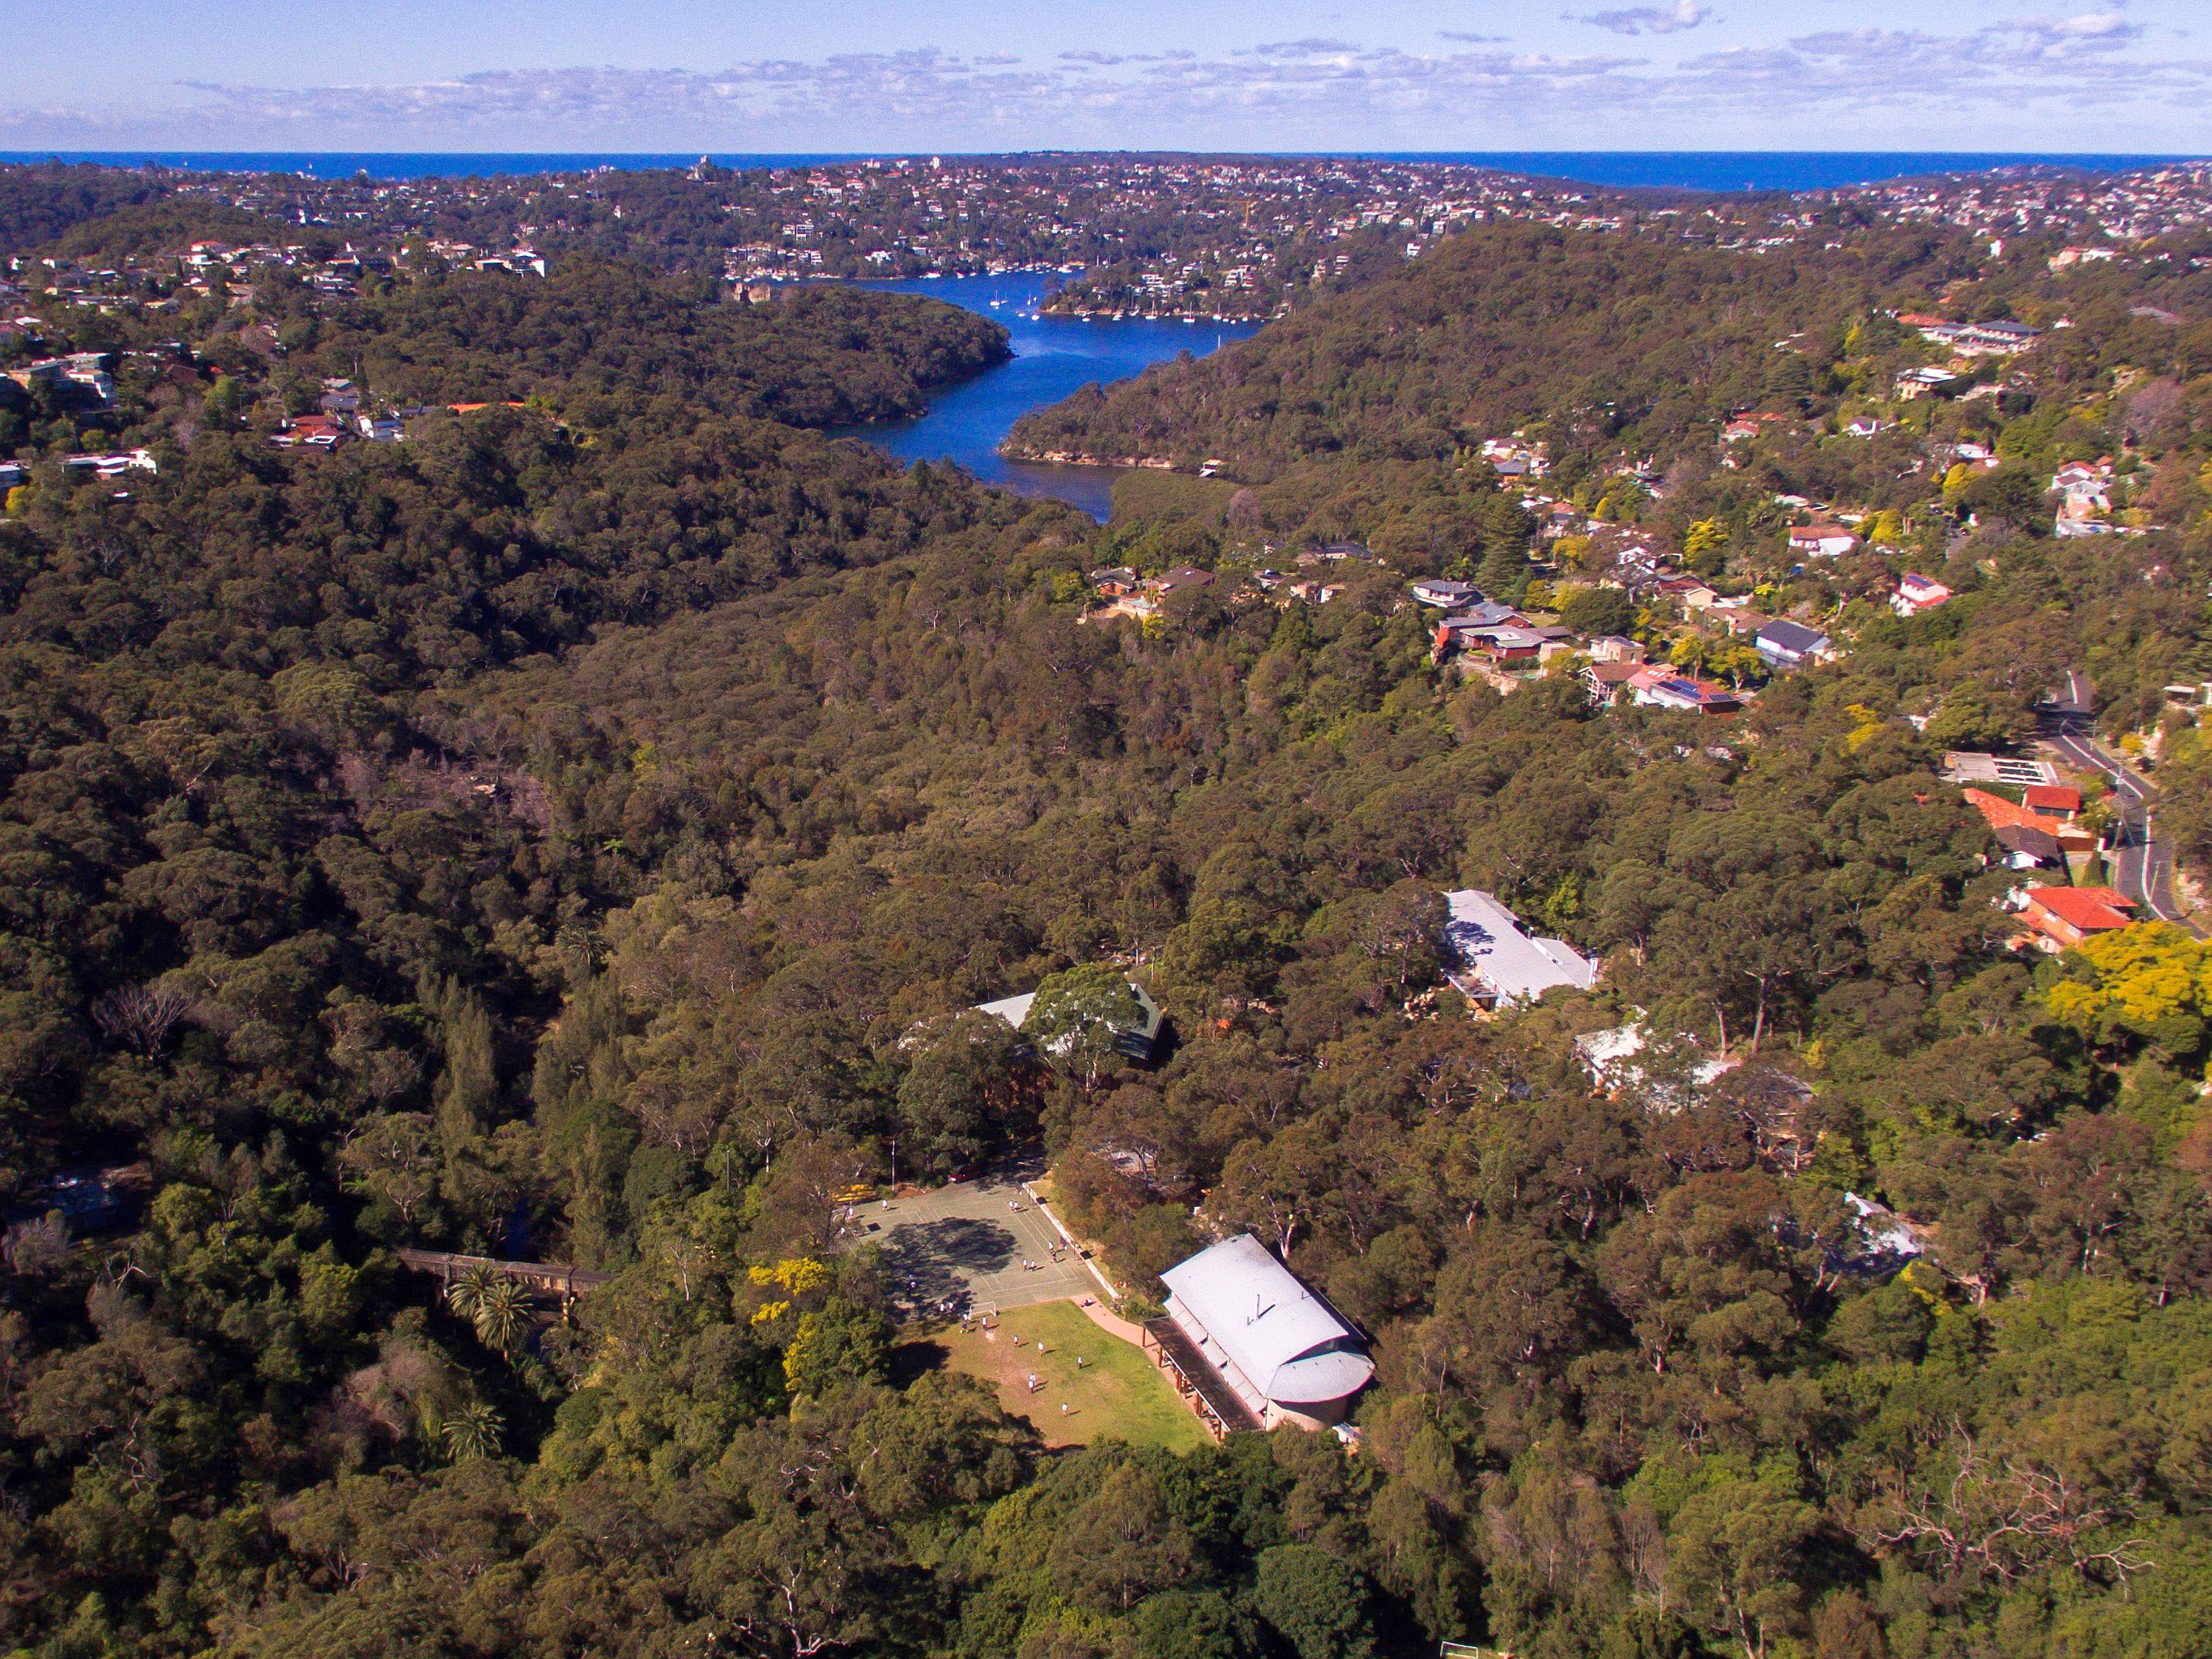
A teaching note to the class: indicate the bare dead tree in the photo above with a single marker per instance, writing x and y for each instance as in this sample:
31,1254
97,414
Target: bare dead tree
140,1017
1999,1518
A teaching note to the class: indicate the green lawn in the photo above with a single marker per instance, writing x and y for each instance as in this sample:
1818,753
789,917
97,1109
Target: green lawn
1117,1393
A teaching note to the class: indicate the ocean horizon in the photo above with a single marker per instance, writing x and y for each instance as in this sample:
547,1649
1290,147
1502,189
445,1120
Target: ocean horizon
1698,170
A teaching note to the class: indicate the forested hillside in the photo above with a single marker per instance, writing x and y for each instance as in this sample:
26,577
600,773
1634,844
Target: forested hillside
577,832
1593,341
817,356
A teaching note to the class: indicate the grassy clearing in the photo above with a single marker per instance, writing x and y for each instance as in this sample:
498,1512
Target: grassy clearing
1116,1394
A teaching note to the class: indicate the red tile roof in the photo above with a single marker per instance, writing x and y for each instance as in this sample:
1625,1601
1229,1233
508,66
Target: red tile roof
2090,909
2001,813
2053,797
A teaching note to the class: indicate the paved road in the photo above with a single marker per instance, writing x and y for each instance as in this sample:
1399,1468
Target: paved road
2142,865
966,1244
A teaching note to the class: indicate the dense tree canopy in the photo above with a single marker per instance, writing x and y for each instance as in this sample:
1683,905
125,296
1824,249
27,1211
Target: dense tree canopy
582,832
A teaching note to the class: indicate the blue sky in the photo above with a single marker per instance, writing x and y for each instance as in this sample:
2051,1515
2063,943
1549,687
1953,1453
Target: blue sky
840,76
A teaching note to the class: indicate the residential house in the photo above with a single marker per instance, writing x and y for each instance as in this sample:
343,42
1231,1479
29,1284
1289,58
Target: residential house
1821,540
309,432
2061,917
1658,685
2058,802
1118,581
113,465
1499,963
1916,594
1993,339
1919,382
1446,595
80,368
2002,815
1687,591
1181,579
89,370
2027,848
1515,460
1607,680
1791,645
1968,765
1614,648
1741,428
1488,614
1138,1040
2085,492
1613,1060
1504,644
1741,624
2081,475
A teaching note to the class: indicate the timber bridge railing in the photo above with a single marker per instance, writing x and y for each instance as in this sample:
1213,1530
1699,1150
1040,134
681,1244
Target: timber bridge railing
548,1278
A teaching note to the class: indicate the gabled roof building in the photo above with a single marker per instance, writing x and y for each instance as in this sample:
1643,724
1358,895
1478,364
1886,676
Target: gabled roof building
2064,916
1287,1355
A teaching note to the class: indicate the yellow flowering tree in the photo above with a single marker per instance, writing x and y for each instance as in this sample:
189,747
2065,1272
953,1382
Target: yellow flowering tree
2149,984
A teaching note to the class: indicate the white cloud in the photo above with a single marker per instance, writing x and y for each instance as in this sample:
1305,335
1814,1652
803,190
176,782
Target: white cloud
1652,20
2019,83
1309,48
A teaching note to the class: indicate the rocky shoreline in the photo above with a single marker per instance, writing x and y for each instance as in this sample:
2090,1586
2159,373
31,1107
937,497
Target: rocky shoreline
1014,452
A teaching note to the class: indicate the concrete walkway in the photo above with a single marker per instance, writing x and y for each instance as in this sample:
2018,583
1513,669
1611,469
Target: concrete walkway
1110,1321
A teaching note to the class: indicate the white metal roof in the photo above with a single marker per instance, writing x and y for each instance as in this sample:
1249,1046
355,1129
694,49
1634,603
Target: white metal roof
1292,1346
1014,1010
1136,1041
1488,939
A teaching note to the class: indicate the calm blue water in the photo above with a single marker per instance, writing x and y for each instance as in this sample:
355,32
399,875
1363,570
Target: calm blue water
1053,357
392,164
1668,169
1733,170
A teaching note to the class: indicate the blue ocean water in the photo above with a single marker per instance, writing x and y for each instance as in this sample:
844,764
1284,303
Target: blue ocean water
1719,170
1053,357
1758,170
397,164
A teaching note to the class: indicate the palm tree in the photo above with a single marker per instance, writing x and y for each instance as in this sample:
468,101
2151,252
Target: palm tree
471,1432
465,1293
503,1315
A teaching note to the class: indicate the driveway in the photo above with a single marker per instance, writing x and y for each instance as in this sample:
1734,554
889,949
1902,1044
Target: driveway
965,1244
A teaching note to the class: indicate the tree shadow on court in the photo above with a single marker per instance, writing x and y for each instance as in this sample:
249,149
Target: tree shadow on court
931,1261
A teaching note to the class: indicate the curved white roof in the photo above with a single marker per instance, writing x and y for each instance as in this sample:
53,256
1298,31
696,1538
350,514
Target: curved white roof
1291,1345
